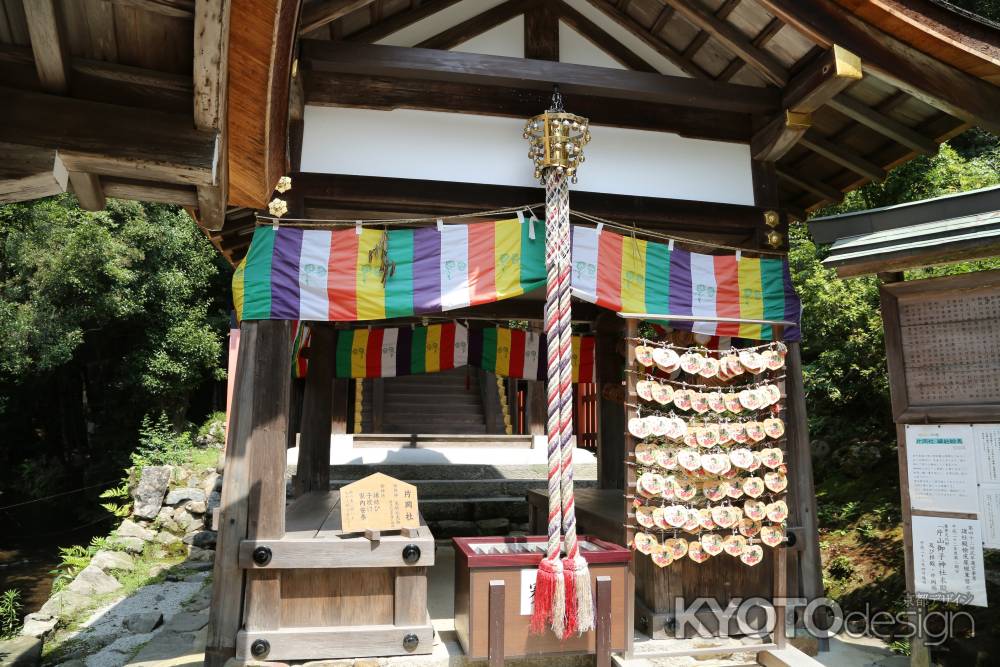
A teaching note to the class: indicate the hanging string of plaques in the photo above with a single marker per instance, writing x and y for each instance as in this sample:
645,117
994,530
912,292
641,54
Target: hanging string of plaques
709,463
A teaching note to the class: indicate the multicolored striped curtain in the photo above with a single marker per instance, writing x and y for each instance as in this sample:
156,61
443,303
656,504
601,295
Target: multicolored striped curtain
631,275
323,275
301,337
390,352
520,354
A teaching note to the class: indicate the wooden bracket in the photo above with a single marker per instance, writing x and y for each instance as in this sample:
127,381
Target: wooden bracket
778,137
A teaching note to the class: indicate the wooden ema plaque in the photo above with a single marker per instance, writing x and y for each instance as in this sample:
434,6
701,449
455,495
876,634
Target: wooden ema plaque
378,503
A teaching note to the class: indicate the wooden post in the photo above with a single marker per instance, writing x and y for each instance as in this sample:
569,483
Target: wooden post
802,491
259,420
631,398
603,622
341,405
313,471
610,416
496,622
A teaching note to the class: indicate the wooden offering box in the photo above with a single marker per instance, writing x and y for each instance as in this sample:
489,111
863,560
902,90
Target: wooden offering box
514,561
339,595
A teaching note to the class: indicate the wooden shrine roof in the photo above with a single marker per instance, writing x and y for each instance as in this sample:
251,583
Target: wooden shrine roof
194,102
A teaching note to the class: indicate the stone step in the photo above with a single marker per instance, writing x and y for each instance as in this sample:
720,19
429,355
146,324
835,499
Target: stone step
465,489
435,440
452,471
430,417
452,428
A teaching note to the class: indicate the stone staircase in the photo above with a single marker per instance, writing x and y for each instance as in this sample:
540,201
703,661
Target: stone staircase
449,402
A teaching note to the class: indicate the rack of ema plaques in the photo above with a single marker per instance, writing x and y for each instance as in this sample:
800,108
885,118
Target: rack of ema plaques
340,594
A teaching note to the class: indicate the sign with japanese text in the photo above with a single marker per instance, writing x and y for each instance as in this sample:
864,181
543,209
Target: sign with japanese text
941,466
378,502
948,560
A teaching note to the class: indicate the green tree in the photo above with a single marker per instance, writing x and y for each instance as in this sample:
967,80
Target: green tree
105,317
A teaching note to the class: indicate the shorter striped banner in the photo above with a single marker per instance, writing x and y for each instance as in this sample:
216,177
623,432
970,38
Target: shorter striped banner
520,354
391,352
301,337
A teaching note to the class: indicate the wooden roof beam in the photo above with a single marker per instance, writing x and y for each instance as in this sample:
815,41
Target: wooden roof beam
760,41
884,125
399,20
650,39
541,31
110,140
843,156
482,70
211,42
88,190
596,35
822,80
699,40
182,9
386,93
28,172
730,36
821,190
938,84
477,25
319,14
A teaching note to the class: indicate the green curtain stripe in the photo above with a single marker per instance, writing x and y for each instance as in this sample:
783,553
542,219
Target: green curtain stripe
418,351
773,289
532,274
490,350
399,290
657,278
345,340
257,275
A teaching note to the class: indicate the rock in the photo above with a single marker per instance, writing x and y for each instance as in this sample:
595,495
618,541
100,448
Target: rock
148,493
450,528
183,494
343,662
131,544
220,465
92,580
75,662
113,560
212,483
164,515
143,622
21,652
199,554
167,539
39,625
196,506
489,527
201,538
214,500
64,604
185,522
187,622
198,566
130,528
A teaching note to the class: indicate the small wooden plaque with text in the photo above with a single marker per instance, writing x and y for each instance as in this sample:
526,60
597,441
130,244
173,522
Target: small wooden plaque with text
378,503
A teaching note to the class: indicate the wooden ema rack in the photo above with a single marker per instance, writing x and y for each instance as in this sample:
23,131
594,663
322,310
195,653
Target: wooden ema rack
341,594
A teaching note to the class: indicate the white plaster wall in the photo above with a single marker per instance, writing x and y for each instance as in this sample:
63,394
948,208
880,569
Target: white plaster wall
417,32
576,49
485,149
507,39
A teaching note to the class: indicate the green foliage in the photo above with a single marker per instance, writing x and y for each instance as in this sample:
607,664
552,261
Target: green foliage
900,646
989,9
120,505
75,558
10,613
160,444
840,568
106,317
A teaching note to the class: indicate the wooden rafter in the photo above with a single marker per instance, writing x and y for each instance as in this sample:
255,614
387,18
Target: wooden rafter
699,40
821,190
322,12
447,66
779,136
726,33
883,124
932,81
662,19
837,153
183,9
48,44
88,190
650,39
823,79
28,172
399,20
760,41
476,25
596,35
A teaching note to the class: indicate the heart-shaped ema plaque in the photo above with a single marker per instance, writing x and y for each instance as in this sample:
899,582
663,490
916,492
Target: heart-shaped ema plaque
752,555
645,453
734,545
644,355
777,511
644,516
772,536
691,363
732,402
646,543
755,509
685,490
716,401
638,427
682,399
709,368
775,481
774,427
753,487
666,359
644,389
711,543
726,516
661,558
662,393
741,457
697,553
772,457
676,547
689,459
748,527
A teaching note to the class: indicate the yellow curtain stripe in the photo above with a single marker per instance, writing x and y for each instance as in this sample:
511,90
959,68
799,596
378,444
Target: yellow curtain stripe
633,275
433,359
503,352
751,296
370,291
358,353
507,251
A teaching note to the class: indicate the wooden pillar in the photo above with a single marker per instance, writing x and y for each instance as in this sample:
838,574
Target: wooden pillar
253,492
341,406
610,415
313,470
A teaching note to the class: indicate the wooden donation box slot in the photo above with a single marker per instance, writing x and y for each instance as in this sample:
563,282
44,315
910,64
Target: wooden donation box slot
514,561
351,576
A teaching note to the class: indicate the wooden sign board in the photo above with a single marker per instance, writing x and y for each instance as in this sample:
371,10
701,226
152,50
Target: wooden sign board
378,503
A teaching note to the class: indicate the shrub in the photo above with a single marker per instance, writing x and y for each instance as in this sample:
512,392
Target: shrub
160,444
10,613
841,568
